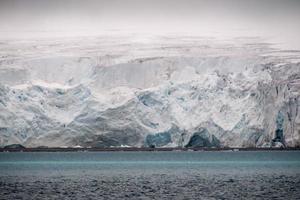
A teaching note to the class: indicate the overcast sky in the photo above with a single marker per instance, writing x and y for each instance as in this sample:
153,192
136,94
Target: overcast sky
274,18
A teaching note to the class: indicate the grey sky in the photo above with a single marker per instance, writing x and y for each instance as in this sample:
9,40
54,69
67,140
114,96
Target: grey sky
277,18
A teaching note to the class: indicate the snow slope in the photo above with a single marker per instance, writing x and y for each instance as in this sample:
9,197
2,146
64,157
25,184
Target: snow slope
151,91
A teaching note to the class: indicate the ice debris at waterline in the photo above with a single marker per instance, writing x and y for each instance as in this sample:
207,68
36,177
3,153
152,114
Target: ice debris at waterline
161,92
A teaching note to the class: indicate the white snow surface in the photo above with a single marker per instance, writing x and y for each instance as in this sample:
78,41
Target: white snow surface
121,91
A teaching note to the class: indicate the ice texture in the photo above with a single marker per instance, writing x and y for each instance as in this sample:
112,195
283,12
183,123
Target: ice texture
162,91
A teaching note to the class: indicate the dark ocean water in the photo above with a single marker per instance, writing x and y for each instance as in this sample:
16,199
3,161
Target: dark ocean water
150,175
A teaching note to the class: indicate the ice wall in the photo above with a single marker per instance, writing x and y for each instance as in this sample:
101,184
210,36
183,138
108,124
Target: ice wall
179,91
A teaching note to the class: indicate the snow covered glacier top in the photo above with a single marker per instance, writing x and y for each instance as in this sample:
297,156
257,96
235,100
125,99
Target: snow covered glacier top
148,91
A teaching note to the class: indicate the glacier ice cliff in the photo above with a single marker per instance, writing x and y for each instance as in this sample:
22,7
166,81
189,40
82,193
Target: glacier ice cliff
172,91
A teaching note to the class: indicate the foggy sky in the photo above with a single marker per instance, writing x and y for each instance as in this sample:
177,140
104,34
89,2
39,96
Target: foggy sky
272,18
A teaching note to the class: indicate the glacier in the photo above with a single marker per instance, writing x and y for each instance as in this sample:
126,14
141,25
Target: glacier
151,91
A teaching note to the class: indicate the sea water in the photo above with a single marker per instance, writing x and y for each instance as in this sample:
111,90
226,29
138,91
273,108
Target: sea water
150,175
